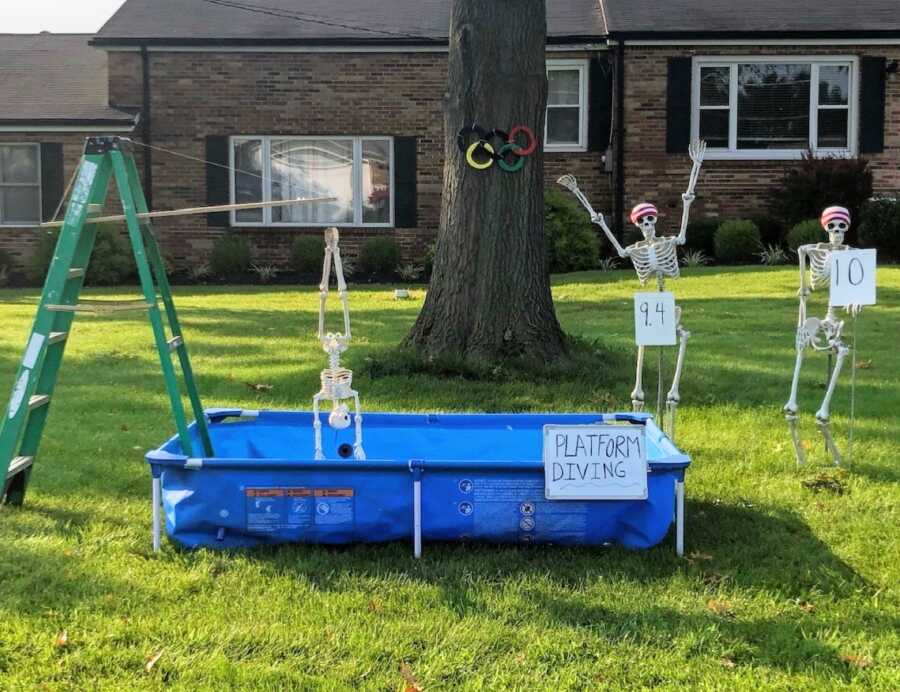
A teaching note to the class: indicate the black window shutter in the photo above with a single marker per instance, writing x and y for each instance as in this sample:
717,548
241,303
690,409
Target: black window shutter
871,101
405,206
599,104
678,105
218,186
51,179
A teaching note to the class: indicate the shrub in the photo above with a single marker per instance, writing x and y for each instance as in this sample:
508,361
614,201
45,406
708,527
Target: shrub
737,241
5,259
266,273
379,256
230,256
112,259
428,260
111,263
308,254
816,183
880,226
804,233
772,255
694,258
572,242
771,230
701,235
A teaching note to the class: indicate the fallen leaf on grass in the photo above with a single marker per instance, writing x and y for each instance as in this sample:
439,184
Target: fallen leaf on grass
148,666
720,608
857,661
807,445
727,662
695,556
374,606
62,639
412,685
260,387
806,606
824,481
864,364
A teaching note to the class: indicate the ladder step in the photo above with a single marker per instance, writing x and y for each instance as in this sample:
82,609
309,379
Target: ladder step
56,337
175,342
17,465
38,400
101,306
75,273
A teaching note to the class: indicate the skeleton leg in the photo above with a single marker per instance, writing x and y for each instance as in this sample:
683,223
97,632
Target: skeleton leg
673,397
317,427
790,408
822,415
358,452
637,394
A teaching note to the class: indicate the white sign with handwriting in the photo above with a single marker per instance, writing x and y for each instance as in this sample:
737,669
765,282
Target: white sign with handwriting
654,319
595,462
852,278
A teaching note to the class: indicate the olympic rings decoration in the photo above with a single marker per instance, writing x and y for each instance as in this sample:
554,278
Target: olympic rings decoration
509,147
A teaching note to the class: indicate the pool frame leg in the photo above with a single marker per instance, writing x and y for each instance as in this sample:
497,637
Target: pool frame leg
679,518
156,496
417,518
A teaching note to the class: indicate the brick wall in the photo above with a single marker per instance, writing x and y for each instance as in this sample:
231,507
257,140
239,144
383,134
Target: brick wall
199,94
725,188
19,242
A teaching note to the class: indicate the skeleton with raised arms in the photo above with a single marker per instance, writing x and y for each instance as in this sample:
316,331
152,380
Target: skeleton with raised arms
336,380
654,256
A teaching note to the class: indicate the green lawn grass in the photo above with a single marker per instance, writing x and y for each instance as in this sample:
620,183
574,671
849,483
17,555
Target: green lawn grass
782,586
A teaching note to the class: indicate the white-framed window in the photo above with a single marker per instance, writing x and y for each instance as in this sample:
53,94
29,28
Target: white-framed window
20,184
567,106
356,171
771,107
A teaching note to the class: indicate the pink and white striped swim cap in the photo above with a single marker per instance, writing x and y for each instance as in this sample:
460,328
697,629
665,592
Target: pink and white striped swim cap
834,214
641,210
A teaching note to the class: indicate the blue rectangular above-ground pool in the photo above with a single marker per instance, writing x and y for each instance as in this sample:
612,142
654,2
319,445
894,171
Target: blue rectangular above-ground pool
440,477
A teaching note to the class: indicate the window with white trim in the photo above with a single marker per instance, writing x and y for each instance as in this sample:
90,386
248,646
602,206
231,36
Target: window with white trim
567,93
355,171
775,108
20,184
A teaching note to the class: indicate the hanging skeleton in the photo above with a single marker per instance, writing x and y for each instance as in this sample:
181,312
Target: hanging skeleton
336,381
821,335
654,256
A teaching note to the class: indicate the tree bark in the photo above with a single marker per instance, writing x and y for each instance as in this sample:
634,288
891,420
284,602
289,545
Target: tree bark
489,296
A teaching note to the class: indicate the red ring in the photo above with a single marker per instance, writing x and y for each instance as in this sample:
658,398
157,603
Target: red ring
528,133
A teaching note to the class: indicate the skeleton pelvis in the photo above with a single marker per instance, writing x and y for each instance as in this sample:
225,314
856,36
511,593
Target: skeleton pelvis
817,333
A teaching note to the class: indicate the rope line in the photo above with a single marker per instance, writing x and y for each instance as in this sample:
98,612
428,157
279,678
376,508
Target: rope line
194,158
852,393
313,19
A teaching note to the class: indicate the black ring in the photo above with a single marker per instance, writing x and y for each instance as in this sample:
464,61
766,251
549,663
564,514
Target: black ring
465,132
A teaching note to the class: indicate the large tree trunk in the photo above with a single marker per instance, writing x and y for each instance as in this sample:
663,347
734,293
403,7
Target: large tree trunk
490,290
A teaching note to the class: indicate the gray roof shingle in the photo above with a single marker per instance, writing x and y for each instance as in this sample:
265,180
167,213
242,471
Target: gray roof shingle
379,21
427,21
758,16
54,78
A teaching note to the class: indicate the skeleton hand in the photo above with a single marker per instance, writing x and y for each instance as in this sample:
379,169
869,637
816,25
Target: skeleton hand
853,309
697,151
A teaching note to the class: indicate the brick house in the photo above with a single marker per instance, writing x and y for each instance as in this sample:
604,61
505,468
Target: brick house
296,97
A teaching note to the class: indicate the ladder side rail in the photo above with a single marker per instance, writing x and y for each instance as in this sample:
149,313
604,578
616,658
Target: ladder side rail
90,187
140,257
158,266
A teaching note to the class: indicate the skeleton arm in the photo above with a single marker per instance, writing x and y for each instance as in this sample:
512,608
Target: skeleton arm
569,182
802,254
696,151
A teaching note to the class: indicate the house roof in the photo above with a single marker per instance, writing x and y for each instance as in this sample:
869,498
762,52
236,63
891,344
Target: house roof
417,22
723,18
316,21
54,79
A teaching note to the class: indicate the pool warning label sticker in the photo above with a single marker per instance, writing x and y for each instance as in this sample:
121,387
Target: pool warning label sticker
276,509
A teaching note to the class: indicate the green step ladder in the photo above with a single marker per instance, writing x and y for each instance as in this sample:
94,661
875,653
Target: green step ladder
105,159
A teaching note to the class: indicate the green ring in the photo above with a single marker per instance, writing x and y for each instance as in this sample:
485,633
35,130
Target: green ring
517,166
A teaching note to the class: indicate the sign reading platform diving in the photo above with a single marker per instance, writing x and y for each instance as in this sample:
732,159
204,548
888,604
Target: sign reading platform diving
595,462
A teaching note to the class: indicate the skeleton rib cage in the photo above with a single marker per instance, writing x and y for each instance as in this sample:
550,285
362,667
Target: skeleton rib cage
657,257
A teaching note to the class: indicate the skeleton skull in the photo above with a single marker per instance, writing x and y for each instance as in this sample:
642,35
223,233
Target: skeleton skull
645,216
339,418
836,222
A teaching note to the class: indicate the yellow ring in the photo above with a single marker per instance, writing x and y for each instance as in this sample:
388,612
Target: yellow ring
471,150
